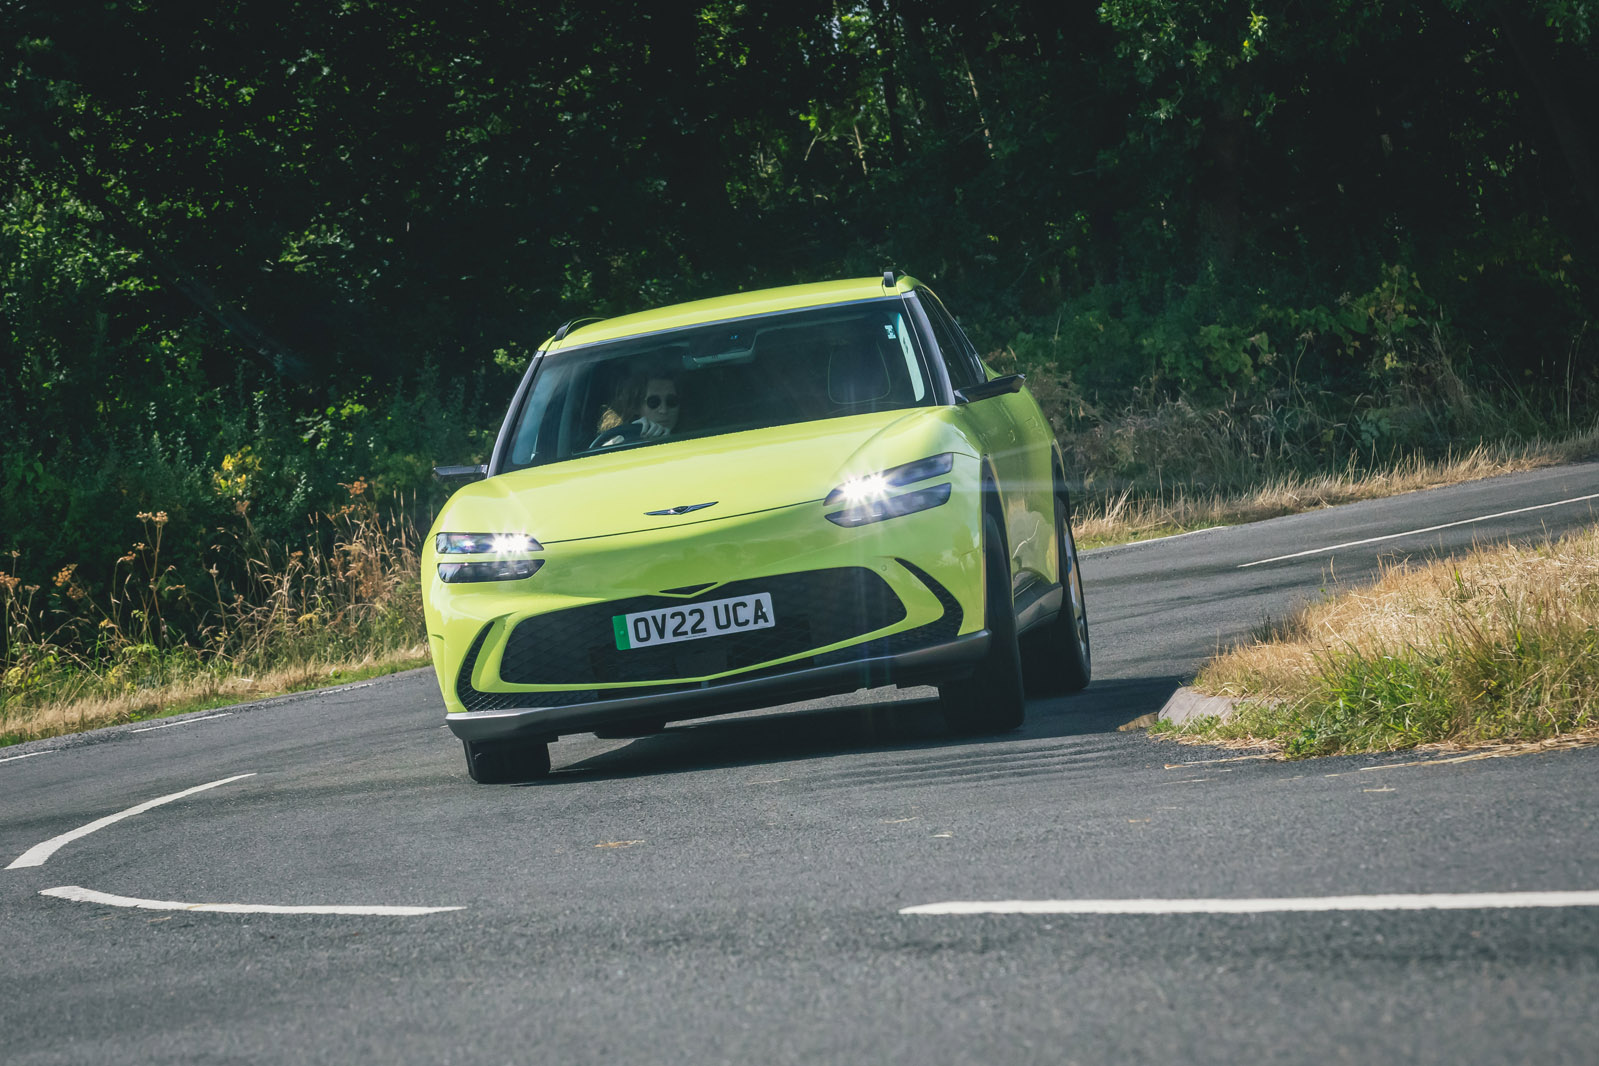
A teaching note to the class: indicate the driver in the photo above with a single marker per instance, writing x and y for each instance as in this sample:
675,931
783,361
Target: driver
650,400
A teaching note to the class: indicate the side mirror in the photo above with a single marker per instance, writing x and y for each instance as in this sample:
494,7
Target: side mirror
461,473
996,387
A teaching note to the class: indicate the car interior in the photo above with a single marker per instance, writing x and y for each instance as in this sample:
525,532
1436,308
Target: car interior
729,378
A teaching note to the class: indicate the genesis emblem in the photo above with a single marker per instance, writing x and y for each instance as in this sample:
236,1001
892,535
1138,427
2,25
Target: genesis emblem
683,508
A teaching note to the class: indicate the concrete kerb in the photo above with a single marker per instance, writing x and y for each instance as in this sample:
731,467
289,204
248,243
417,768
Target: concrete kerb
1187,704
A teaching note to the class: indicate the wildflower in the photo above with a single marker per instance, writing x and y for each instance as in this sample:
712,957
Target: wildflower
9,584
65,576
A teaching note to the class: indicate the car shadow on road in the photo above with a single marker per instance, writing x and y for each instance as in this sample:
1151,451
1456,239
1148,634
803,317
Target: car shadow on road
810,732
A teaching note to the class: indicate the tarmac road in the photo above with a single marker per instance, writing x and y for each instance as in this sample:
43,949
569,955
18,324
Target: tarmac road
730,891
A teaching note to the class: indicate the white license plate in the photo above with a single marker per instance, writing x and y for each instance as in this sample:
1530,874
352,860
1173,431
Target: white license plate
693,621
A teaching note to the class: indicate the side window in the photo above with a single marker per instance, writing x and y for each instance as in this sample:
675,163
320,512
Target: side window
952,345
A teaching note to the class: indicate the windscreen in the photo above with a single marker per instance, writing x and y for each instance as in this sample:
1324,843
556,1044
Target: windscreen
728,377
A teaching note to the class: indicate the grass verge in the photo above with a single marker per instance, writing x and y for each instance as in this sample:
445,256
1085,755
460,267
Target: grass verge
203,690
345,606
348,605
1105,518
1499,646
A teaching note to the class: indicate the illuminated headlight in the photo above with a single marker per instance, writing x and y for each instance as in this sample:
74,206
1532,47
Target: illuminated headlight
859,490
485,544
869,499
497,570
492,544
891,506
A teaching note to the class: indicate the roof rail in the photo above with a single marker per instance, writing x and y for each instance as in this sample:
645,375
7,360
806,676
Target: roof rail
572,324
888,279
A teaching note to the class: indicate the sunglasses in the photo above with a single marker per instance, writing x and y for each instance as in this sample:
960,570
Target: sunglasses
652,402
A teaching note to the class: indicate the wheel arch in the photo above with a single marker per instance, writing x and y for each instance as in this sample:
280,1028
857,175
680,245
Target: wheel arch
1058,473
992,503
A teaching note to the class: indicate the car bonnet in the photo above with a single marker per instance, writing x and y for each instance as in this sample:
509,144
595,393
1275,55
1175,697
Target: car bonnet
675,482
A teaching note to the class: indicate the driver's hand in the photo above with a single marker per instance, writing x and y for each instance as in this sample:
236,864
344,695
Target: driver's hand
650,430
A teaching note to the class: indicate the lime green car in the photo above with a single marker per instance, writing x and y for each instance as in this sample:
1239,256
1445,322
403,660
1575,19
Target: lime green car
750,501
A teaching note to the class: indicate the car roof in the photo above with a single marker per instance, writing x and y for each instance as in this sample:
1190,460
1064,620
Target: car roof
736,305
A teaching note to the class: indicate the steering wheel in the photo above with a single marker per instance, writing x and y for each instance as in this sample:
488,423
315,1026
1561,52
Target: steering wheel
614,435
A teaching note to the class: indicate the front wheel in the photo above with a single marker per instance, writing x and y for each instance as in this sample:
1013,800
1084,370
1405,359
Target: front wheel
991,700
1059,658
499,762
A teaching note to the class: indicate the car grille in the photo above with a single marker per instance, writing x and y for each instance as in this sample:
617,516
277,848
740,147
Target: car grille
813,608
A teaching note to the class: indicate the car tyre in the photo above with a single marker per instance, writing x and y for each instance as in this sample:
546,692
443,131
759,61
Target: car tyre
1058,657
992,700
499,762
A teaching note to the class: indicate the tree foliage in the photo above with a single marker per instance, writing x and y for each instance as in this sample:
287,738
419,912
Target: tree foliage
327,236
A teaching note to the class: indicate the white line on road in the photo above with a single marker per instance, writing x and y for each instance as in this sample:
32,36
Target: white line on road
1416,532
1153,540
31,754
89,895
36,855
1416,902
185,721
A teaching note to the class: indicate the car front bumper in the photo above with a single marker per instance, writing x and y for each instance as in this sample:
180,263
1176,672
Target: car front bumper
528,657
928,665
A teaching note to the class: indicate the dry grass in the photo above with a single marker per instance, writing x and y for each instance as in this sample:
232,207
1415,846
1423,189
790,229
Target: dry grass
346,605
1129,515
203,690
349,604
1499,646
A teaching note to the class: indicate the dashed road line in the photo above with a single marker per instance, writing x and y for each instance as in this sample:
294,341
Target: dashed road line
185,721
29,755
1416,532
1152,540
1409,902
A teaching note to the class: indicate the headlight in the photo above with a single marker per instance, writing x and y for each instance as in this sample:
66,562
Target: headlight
496,544
868,499
485,543
498,570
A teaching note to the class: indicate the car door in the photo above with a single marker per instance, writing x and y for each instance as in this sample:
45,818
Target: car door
1031,514
1004,426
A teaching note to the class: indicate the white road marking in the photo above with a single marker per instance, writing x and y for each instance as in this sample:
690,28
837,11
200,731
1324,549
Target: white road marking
1152,540
89,895
185,721
1415,902
36,855
31,754
1415,532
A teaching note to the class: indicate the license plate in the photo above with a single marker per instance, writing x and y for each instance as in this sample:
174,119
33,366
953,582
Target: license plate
670,625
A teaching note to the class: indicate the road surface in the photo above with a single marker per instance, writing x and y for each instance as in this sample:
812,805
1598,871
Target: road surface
732,891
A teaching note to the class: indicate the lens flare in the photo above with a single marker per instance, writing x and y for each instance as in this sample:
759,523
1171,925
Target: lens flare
510,543
861,489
